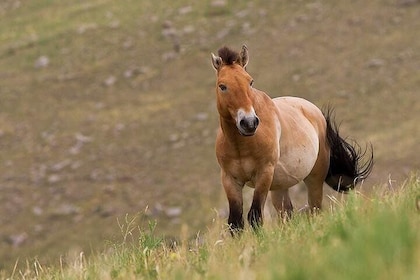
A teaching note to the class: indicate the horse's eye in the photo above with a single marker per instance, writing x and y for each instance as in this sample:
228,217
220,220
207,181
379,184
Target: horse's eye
251,83
222,87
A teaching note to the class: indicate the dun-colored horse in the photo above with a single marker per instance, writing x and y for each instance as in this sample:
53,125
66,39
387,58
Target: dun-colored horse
273,144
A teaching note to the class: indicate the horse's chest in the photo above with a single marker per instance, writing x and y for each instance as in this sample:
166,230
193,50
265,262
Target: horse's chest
243,169
246,162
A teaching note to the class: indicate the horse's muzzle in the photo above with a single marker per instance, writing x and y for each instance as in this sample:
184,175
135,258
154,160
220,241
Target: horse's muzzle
247,126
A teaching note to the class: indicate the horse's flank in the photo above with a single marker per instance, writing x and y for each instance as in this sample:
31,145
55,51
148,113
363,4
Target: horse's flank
303,136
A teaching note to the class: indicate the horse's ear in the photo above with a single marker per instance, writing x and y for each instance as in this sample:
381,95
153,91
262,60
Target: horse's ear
216,61
244,56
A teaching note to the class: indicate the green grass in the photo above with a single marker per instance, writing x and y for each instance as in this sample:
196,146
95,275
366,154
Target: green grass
359,238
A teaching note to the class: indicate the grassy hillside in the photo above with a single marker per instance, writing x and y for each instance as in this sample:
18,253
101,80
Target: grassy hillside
107,107
362,238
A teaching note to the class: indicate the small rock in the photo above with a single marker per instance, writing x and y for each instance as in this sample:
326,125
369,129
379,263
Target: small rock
128,73
60,165
375,63
80,141
185,10
173,212
75,165
99,105
179,145
242,14
109,190
42,62
119,127
188,29
128,44
169,56
16,240
85,27
218,3
37,211
167,24
157,209
168,29
95,175
134,71
83,138
38,173
66,210
76,148
110,81
54,178
173,137
114,24
38,228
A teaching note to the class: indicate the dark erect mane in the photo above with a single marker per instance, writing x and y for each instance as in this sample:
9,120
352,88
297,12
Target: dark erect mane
228,56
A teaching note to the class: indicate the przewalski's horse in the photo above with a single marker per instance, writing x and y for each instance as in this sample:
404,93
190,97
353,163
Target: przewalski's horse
273,144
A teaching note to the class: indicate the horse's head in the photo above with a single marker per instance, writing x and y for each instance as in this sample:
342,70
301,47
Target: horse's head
235,95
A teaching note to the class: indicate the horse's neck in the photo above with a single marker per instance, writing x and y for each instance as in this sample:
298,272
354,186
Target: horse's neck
229,128
233,141
261,100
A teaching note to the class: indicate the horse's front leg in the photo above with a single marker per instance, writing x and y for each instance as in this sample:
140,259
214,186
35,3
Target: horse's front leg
263,180
233,190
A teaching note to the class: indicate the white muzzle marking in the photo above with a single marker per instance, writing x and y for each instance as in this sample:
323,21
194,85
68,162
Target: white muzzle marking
247,122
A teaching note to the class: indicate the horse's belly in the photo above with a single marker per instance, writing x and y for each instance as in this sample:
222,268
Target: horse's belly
295,166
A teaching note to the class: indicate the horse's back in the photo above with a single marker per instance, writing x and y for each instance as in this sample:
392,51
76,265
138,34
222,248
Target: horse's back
302,127
291,103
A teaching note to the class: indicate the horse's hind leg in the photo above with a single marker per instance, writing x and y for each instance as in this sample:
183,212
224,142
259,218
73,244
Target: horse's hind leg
315,181
315,193
282,203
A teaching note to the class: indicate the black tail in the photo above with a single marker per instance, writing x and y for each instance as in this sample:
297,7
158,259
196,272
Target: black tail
346,166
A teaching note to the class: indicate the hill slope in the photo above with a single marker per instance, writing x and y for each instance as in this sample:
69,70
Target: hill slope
107,107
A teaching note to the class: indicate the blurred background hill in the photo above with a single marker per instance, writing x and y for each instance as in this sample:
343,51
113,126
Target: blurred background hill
107,108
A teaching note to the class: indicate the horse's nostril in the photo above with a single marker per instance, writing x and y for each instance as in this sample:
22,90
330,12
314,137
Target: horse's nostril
242,123
257,121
